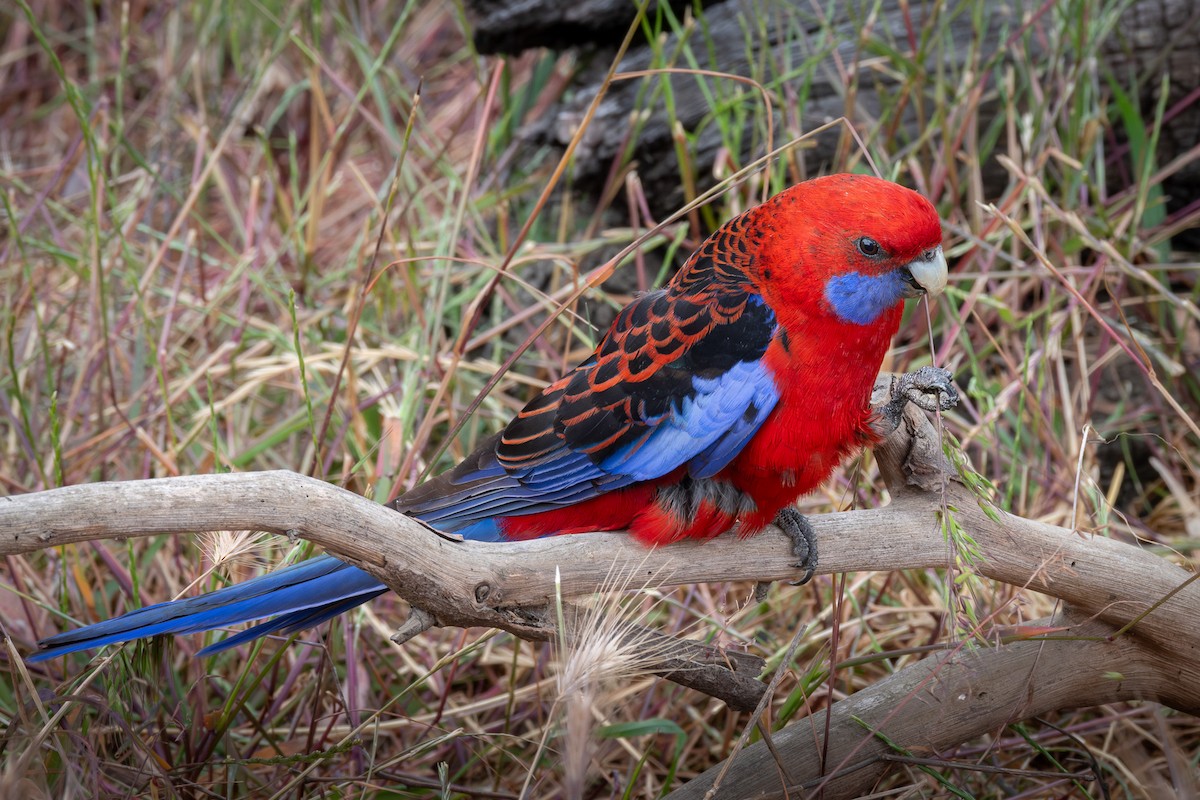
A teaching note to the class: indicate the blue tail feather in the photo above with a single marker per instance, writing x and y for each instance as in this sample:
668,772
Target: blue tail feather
292,622
304,594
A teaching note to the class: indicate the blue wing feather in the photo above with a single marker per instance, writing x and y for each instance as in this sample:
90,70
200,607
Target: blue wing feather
757,400
708,429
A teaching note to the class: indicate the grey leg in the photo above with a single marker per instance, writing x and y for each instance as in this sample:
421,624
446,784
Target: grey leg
804,541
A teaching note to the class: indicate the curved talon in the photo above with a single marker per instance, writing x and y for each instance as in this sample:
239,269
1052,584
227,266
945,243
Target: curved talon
804,541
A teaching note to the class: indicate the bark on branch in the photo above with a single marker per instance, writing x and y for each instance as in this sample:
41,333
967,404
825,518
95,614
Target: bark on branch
936,704
1105,584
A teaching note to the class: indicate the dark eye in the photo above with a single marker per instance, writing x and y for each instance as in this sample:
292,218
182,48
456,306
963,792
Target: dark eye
869,247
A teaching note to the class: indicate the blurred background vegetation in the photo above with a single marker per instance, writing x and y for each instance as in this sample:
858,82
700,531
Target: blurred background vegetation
289,234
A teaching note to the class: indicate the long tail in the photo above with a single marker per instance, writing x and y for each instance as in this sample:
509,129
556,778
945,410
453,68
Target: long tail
302,595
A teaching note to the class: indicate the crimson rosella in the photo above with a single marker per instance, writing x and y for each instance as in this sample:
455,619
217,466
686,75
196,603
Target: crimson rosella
710,404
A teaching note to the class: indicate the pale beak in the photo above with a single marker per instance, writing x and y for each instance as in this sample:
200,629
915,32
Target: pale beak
926,273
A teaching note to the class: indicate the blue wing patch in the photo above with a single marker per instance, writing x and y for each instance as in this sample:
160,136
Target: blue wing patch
706,430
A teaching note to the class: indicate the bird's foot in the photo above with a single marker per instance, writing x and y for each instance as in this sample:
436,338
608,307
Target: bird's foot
929,388
804,542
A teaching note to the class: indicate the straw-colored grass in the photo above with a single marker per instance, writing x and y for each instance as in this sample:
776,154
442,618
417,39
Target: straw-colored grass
234,238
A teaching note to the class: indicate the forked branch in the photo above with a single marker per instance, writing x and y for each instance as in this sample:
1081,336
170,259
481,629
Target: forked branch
1113,586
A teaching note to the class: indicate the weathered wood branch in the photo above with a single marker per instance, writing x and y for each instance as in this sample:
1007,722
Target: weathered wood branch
936,704
1106,585
480,583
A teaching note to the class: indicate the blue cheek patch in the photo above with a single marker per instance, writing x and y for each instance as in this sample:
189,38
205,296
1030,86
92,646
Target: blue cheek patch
862,298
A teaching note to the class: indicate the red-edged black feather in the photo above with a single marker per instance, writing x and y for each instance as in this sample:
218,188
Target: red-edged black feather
706,321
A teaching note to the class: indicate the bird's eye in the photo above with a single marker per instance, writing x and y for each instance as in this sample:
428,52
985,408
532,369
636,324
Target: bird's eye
869,247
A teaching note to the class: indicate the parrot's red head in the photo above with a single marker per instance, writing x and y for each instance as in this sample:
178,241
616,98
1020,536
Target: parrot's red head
848,249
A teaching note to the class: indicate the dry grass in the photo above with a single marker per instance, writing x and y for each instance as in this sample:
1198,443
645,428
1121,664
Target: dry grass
192,197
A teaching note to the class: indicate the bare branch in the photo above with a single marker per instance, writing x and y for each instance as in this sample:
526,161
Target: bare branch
510,585
934,705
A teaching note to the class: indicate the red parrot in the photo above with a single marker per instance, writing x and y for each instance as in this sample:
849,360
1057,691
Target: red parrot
712,403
